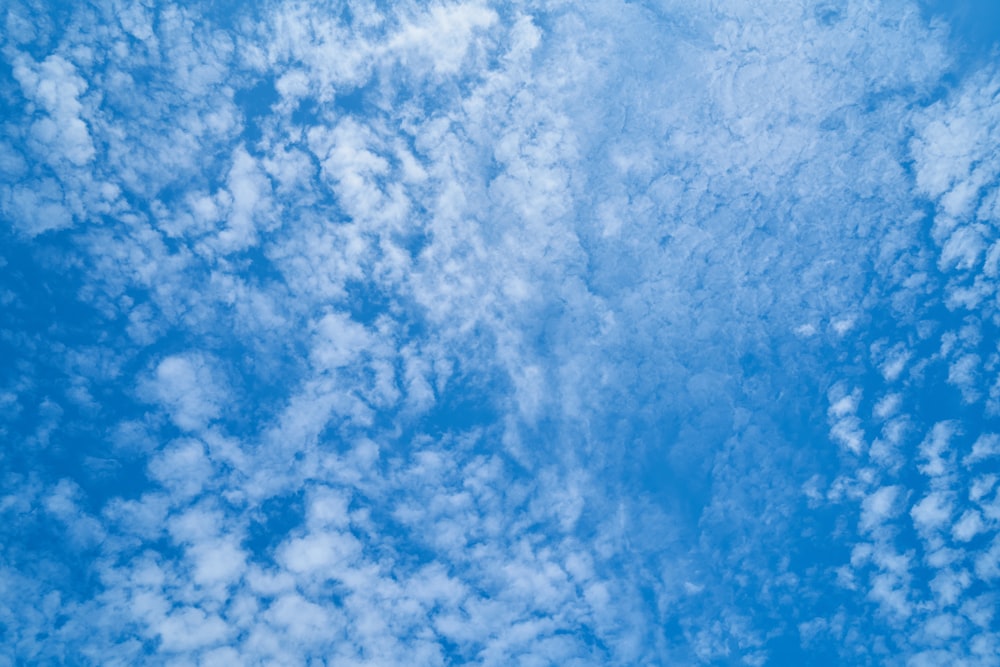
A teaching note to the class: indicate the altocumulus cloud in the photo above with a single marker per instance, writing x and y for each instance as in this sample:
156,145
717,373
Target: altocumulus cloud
476,333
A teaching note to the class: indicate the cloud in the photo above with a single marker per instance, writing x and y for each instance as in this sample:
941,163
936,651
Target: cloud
187,629
952,165
467,333
935,449
968,526
185,387
932,512
340,340
986,446
879,506
442,36
183,468
55,85
37,208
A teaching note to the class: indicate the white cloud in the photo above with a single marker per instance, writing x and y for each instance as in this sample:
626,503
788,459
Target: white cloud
981,486
327,507
843,404
292,85
968,526
217,561
943,627
339,341
932,512
182,467
963,374
985,447
953,161
303,620
442,36
948,586
190,628
962,249
144,518
887,406
325,555
224,656
185,386
63,502
36,208
249,190
848,433
895,362
935,449
879,506
987,563
55,85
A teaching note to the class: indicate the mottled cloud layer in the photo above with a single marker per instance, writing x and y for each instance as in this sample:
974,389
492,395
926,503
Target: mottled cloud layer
449,333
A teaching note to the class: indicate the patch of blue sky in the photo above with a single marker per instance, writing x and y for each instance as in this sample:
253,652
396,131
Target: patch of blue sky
974,33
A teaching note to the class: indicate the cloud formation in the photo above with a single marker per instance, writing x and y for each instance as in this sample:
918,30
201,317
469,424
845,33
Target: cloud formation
627,333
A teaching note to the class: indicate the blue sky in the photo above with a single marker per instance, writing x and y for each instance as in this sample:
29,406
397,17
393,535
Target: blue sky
361,333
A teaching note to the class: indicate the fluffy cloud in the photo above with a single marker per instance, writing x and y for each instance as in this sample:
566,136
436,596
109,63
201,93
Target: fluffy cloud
184,386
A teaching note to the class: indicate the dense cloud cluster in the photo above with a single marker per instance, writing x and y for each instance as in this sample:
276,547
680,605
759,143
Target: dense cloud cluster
613,333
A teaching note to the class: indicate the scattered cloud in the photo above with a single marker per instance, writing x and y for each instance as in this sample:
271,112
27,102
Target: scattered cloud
625,333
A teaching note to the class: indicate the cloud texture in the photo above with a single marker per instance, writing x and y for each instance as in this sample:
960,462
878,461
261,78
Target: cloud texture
630,333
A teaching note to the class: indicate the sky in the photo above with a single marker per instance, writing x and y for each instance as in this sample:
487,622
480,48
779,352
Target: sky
660,332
